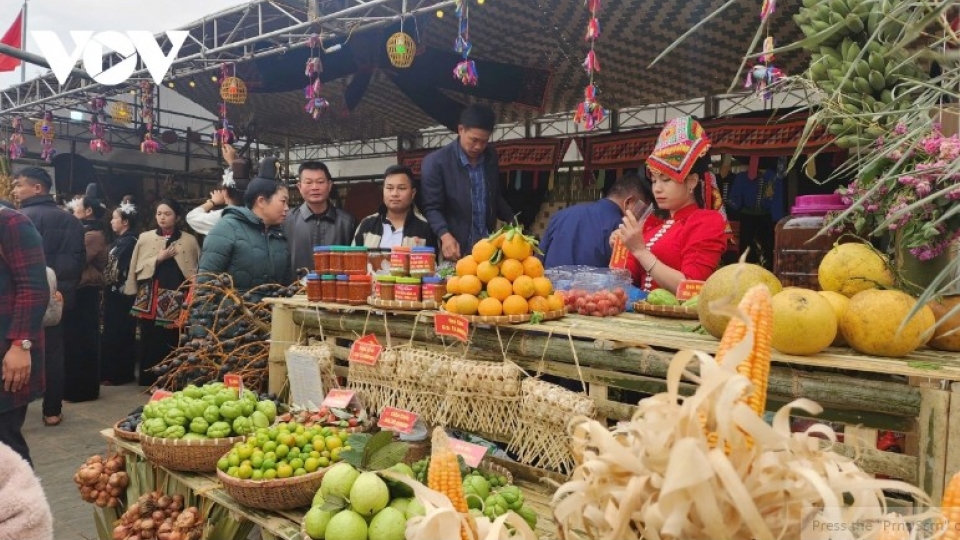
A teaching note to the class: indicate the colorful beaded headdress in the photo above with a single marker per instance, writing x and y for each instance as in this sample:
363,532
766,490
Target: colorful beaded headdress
681,143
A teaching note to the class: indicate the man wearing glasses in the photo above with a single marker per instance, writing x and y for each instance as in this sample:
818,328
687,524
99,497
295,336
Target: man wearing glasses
316,222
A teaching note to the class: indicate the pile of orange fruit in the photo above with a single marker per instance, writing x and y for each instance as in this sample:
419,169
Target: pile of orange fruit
501,276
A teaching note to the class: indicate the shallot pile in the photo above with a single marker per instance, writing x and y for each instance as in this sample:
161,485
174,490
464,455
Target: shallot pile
102,482
160,516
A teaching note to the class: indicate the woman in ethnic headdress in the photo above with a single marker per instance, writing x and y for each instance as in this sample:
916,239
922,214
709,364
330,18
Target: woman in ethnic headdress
684,239
119,332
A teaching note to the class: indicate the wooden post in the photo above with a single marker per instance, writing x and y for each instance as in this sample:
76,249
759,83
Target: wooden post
952,466
932,433
283,333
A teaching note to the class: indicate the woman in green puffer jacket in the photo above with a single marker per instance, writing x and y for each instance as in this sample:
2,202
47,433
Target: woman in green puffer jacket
248,242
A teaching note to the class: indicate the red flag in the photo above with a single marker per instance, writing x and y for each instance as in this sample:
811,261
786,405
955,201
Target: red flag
12,38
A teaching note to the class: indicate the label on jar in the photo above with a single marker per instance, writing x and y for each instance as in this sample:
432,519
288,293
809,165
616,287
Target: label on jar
399,262
422,264
406,292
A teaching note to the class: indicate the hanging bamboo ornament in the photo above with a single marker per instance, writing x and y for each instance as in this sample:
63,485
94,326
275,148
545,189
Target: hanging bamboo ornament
120,113
234,90
401,48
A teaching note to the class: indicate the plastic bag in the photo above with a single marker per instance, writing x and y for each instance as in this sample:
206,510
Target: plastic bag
586,290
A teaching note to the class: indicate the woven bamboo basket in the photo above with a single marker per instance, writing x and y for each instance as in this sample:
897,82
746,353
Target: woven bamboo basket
422,379
511,319
401,305
482,397
375,385
125,435
540,440
488,466
190,455
673,312
278,494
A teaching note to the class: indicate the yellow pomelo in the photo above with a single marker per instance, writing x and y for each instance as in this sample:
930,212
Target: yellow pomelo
803,322
839,304
871,324
853,267
731,281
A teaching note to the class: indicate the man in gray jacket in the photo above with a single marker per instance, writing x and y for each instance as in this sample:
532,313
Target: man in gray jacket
316,222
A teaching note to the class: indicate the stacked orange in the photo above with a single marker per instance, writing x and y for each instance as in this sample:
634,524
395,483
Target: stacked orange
501,276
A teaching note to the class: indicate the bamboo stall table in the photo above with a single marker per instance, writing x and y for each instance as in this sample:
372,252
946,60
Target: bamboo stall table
273,525
913,395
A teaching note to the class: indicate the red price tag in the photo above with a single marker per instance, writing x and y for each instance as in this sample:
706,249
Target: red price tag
454,326
688,288
620,254
160,394
472,453
365,350
398,420
232,380
337,399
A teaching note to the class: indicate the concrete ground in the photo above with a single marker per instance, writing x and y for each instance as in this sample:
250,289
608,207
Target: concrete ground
58,451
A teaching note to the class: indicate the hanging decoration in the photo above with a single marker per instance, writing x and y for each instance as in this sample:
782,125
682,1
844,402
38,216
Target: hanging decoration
46,132
224,134
120,113
466,70
148,145
17,146
316,104
401,48
764,74
98,127
232,89
590,113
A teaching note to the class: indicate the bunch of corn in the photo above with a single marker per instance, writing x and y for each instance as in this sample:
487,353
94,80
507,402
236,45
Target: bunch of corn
758,307
951,509
444,474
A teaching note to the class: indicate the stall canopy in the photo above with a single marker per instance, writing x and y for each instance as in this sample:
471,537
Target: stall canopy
528,55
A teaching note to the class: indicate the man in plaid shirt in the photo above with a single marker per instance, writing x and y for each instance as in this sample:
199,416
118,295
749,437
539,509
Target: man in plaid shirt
24,295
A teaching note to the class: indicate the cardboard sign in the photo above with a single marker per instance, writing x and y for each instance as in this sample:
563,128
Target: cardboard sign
688,288
160,394
306,384
337,399
232,380
365,350
397,420
453,326
472,453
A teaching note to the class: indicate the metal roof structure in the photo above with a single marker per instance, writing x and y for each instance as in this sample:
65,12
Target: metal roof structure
528,54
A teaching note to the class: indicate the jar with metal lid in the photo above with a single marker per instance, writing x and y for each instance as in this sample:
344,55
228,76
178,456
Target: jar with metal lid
400,261
336,260
343,293
359,289
407,289
433,289
328,287
797,248
384,287
321,259
355,260
314,293
423,261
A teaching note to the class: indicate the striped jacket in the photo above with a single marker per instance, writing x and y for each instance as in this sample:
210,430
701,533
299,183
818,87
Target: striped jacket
416,231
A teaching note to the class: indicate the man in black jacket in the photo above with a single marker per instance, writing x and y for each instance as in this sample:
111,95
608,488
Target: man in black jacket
461,186
316,222
64,249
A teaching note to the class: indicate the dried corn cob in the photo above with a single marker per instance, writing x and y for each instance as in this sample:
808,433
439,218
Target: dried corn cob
951,509
444,474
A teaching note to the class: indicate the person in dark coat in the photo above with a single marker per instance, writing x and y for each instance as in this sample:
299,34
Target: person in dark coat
397,222
119,334
316,222
24,294
460,186
63,247
248,242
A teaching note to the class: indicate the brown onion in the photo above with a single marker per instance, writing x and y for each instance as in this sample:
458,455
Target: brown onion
158,516
89,474
147,524
113,502
120,532
164,501
146,534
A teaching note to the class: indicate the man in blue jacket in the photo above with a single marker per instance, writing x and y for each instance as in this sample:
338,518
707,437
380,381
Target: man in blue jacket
460,186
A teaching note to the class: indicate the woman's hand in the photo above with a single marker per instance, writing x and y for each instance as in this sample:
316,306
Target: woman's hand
167,253
229,153
631,233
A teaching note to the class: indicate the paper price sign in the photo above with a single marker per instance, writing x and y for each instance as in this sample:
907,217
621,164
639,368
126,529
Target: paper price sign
453,326
472,453
160,394
688,288
337,399
398,420
232,380
365,350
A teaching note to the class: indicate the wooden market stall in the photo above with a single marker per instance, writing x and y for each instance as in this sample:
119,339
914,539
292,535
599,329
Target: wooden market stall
631,352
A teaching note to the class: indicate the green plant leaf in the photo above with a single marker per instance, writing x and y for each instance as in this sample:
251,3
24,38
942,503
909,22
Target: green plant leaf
375,443
536,317
357,443
334,503
387,456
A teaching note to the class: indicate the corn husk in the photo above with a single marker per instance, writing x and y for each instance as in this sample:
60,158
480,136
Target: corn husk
656,477
442,521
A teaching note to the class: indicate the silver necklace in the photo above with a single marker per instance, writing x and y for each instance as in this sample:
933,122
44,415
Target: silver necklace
648,279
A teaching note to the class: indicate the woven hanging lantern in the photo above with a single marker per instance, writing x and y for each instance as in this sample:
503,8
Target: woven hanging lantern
44,129
120,113
401,49
233,90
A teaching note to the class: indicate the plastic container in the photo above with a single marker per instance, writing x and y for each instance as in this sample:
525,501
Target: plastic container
378,260
359,289
797,248
328,287
423,261
314,291
355,261
407,289
400,261
599,292
385,286
336,260
343,291
433,288
321,259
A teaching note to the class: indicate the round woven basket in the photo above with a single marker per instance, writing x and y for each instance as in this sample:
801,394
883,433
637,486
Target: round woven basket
401,305
189,455
673,312
125,435
278,494
511,319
